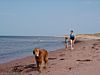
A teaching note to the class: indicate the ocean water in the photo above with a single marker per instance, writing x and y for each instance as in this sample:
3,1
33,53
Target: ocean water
12,47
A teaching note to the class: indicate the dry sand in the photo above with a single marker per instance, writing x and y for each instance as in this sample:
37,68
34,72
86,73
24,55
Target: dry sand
83,60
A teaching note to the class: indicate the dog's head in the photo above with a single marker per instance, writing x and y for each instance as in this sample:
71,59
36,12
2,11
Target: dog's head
36,52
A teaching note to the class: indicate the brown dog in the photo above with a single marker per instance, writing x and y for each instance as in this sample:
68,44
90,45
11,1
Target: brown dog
41,56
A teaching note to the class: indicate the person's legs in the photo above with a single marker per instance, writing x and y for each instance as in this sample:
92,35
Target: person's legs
74,42
66,45
71,42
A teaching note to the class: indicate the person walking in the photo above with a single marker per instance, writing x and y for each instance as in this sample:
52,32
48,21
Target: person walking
72,39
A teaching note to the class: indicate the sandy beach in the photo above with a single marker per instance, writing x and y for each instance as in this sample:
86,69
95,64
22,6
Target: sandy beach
53,26
84,59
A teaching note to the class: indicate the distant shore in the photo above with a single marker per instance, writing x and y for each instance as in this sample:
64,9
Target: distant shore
83,60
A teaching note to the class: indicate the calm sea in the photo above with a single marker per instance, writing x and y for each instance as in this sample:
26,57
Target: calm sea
12,47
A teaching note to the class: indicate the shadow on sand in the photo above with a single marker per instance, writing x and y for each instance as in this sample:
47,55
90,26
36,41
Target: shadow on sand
26,68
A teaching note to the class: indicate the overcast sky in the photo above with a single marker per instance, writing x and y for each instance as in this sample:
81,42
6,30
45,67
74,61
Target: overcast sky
49,17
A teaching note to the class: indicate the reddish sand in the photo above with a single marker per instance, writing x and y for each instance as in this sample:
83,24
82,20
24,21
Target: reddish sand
84,59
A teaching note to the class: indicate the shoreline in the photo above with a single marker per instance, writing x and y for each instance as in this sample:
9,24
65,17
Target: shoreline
83,60
13,47
27,56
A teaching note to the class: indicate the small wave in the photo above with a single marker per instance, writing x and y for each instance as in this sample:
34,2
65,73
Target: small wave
46,41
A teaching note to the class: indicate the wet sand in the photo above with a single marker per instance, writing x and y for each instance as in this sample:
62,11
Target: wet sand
84,59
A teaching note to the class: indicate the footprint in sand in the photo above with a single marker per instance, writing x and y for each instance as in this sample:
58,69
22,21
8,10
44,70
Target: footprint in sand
95,44
93,47
62,59
70,68
62,55
52,58
20,68
86,60
84,47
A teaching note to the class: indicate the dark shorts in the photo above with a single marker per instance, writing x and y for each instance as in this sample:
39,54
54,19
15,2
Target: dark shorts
72,38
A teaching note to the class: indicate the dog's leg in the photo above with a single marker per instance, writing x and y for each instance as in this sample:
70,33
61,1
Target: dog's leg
45,62
40,70
39,66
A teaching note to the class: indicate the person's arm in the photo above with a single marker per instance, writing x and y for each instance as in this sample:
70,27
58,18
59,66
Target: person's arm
74,38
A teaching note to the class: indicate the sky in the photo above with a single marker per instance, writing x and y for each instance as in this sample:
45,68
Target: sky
49,17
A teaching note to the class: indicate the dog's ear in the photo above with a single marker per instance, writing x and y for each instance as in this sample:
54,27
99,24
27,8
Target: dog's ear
33,52
40,52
